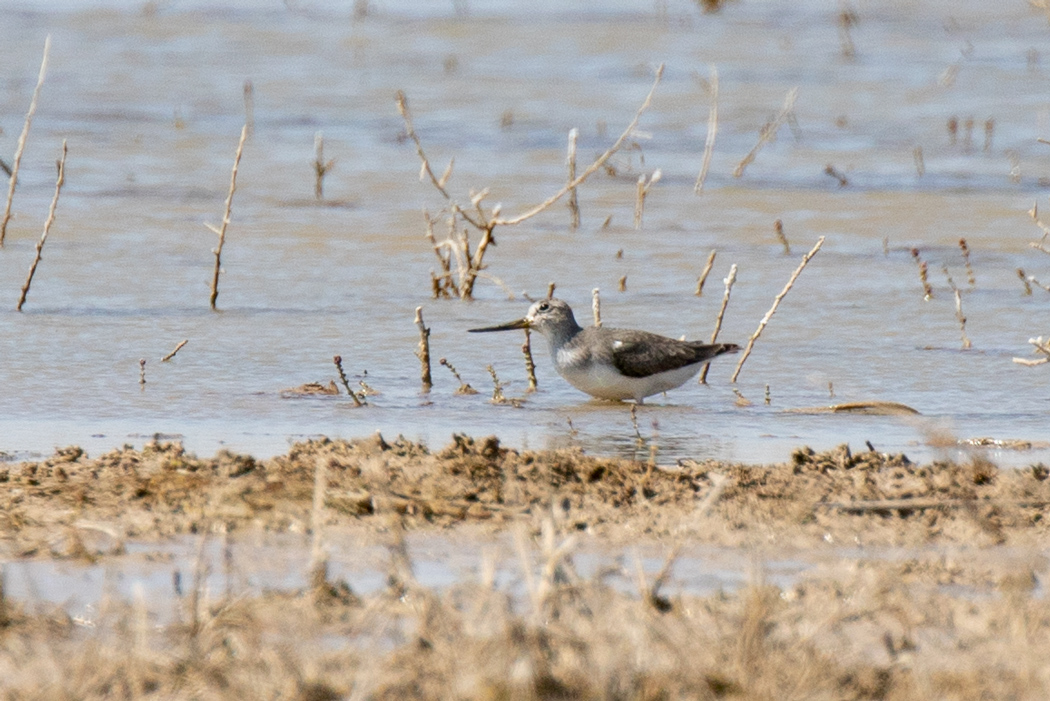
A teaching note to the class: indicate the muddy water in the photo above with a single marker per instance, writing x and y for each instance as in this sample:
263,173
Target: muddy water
149,97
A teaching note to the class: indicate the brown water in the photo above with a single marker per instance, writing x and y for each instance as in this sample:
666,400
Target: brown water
150,100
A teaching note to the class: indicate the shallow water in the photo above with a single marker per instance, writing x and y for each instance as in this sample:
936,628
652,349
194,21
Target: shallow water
150,100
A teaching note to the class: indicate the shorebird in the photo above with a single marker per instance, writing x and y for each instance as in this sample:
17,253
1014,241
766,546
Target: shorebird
610,363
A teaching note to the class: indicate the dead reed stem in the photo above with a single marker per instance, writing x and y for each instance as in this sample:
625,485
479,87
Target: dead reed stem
831,171
423,353
778,229
338,360
47,226
221,230
730,279
776,302
705,272
13,181
574,204
178,347
958,308
920,162
927,290
1024,280
321,166
142,371
989,131
768,132
643,190
712,131
596,307
550,290
530,365
249,107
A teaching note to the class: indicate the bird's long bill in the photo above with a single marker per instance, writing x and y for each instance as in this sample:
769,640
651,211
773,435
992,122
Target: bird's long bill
510,325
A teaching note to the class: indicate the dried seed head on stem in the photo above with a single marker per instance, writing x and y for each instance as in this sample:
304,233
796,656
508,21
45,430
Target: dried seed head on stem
497,387
47,226
20,149
530,365
730,279
773,309
927,290
966,260
464,388
423,352
705,272
220,231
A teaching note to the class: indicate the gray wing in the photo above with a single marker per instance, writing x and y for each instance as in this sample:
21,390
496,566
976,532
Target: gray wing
640,354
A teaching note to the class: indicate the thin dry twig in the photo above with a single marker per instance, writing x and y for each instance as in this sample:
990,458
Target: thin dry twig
221,230
712,131
423,352
768,131
178,347
13,181
705,272
644,185
958,308
338,360
920,162
730,279
596,307
570,161
249,107
47,226
1024,280
776,302
321,166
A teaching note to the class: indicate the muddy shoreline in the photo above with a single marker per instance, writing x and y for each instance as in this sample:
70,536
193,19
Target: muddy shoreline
929,579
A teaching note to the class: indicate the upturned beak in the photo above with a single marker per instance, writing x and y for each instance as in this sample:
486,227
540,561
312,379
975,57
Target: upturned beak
522,323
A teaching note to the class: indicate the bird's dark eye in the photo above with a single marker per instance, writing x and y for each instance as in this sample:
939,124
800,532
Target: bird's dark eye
544,306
